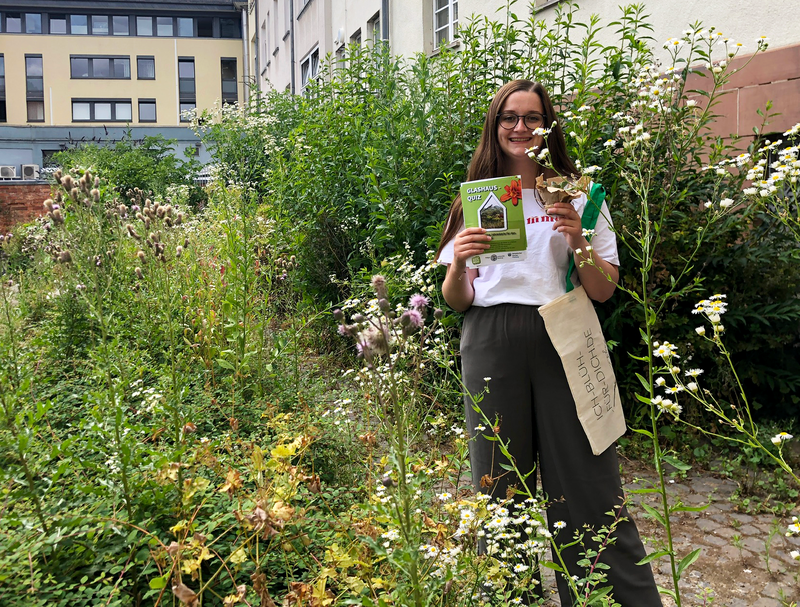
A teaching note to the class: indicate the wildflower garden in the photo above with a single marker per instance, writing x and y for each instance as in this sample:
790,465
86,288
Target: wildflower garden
249,393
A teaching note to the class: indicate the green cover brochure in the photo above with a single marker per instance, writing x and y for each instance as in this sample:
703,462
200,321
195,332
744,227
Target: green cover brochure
496,205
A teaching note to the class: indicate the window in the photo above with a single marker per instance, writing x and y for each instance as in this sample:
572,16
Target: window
147,110
229,84
33,23
78,24
164,26
3,115
186,86
100,25
229,28
58,24
185,27
356,37
13,23
445,22
99,110
146,68
121,25
34,87
144,26
309,68
118,68
374,28
205,27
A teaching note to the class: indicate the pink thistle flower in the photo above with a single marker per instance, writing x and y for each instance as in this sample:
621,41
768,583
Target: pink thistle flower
419,301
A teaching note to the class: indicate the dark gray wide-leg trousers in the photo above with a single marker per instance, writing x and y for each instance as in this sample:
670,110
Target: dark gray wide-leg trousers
528,392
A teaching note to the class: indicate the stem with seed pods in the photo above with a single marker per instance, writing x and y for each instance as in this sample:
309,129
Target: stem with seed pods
8,387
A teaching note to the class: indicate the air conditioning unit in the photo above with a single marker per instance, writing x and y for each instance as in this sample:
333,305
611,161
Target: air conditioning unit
8,172
30,171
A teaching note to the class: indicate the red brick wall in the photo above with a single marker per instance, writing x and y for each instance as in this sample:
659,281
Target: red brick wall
21,202
774,76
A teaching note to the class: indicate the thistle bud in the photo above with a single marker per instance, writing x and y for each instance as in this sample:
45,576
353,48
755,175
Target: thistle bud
96,182
179,219
379,284
160,211
168,222
139,274
178,251
48,205
74,193
140,254
438,314
65,257
338,315
67,182
358,318
185,243
57,175
98,261
146,223
147,201
95,195
123,210
57,216
384,305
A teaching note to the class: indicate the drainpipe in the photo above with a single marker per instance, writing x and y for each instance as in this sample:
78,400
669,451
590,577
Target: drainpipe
385,19
245,43
258,51
246,52
291,41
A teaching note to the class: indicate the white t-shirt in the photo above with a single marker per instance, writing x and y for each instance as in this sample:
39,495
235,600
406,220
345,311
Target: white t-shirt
541,277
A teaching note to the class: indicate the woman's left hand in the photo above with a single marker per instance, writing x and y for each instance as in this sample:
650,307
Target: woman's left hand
568,222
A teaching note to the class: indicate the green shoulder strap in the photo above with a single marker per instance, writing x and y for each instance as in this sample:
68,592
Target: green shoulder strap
588,221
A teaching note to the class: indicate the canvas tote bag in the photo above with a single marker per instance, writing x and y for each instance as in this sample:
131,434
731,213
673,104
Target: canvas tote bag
575,331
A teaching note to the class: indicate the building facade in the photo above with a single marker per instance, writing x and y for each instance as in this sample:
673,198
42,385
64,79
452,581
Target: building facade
291,37
74,71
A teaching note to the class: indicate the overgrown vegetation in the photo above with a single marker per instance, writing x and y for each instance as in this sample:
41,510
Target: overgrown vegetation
180,423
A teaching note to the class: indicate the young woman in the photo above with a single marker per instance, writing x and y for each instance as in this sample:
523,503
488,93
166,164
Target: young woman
504,339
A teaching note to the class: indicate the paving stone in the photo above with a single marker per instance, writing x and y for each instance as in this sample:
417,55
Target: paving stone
738,603
742,518
726,506
754,544
707,524
713,540
766,602
725,532
720,518
749,530
772,590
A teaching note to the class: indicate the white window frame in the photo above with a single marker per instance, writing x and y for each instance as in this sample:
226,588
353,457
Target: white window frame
309,68
450,29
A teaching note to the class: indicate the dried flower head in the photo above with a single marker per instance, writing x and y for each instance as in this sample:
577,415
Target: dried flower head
379,284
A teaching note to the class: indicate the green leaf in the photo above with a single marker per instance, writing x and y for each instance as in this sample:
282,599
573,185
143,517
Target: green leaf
668,592
225,364
157,583
676,463
681,508
653,556
688,560
552,565
643,399
655,514
645,383
647,433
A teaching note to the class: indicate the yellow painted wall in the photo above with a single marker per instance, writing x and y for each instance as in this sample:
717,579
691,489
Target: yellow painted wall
60,89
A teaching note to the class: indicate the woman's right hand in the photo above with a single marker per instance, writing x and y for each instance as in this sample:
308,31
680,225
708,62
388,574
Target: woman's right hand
467,244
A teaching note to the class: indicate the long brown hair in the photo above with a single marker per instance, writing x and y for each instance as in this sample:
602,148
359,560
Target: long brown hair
489,160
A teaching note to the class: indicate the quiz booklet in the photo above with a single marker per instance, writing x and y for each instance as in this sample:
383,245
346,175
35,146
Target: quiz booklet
496,205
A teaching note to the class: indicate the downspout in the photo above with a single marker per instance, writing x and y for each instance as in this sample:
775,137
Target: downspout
385,20
291,41
258,51
245,52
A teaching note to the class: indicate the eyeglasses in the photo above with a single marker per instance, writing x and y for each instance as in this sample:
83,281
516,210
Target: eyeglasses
509,120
